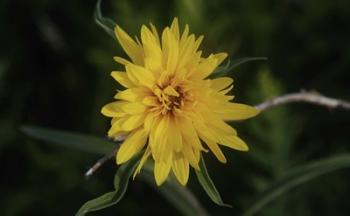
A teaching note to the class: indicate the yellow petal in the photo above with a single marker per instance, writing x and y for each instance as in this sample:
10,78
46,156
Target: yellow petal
169,90
132,122
173,134
140,75
132,94
212,121
151,120
202,129
234,142
112,110
152,50
227,90
168,137
170,50
236,111
197,154
142,161
175,28
150,101
161,149
132,49
184,35
161,170
189,133
190,156
155,33
204,69
210,140
121,60
133,107
115,129
215,149
122,78
154,65
135,141
194,60
186,50
180,168
221,83
198,42
220,57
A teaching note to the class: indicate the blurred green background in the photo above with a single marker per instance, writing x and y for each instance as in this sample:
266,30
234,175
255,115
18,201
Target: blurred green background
54,72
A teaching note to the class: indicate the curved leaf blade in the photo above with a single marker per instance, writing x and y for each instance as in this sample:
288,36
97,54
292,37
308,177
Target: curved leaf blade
180,197
224,70
105,23
121,181
101,202
208,185
78,141
297,177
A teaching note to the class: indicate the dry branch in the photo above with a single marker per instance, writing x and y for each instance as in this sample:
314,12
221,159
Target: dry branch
304,97
311,97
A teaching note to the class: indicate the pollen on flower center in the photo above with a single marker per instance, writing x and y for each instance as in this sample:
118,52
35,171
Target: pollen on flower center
170,99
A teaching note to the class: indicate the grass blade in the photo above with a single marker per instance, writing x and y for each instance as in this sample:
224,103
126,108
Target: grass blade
208,185
297,177
224,70
105,23
78,141
121,181
180,197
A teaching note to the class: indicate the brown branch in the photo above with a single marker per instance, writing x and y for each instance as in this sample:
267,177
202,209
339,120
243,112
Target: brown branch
100,162
306,97
303,96
107,157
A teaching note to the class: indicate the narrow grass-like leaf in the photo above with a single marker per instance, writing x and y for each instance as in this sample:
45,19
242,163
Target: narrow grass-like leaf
297,177
106,24
180,197
78,141
224,70
208,185
121,181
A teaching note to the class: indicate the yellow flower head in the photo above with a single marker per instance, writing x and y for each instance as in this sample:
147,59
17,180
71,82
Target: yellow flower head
170,108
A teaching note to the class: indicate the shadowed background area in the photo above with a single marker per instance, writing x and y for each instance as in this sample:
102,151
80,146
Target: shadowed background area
54,72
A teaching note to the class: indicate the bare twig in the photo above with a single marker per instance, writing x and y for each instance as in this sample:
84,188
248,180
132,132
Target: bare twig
300,97
306,97
107,157
100,162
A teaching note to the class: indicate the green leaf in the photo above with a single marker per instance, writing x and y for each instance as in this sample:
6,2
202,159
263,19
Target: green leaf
208,185
176,194
78,141
121,181
224,70
179,196
297,177
105,23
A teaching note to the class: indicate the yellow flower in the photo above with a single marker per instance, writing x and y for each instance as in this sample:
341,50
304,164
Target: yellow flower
170,108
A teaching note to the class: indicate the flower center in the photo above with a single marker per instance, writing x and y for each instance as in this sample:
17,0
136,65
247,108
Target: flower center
170,98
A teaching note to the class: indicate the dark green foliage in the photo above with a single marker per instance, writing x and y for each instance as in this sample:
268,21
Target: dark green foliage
208,184
230,66
105,23
179,196
81,142
121,180
296,177
54,72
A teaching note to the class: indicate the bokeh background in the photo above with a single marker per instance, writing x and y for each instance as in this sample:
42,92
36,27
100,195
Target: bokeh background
54,72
